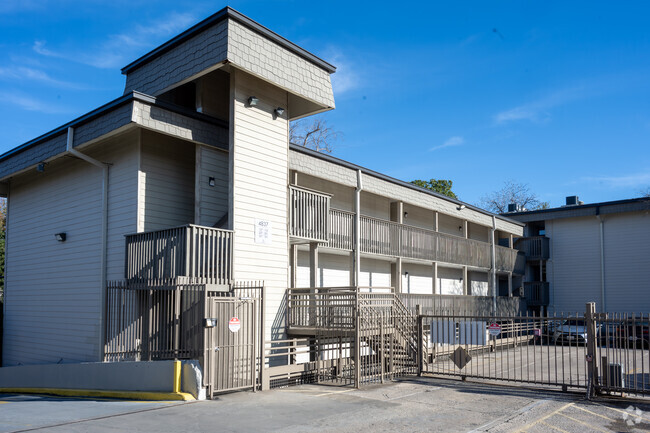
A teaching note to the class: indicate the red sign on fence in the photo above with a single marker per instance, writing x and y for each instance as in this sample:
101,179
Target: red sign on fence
494,329
234,324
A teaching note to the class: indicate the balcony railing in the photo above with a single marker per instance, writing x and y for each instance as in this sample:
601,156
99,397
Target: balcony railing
535,247
309,214
398,240
536,293
202,254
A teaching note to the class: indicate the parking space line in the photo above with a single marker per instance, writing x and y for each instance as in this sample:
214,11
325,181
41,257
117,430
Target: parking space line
594,413
623,411
583,423
551,426
541,420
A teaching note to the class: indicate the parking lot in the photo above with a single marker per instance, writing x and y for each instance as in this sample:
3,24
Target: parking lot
418,405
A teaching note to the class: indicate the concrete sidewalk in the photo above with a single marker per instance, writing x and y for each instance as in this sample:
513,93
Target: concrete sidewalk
418,405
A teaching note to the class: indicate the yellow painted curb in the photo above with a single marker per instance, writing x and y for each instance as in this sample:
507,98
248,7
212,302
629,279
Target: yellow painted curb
128,395
177,376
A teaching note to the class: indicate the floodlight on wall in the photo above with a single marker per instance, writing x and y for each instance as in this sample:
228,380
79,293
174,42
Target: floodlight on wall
60,237
461,207
40,167
211,181
279,111
253,101
406,274
406,214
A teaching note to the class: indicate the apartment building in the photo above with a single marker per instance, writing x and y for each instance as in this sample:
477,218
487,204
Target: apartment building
595,252
190,177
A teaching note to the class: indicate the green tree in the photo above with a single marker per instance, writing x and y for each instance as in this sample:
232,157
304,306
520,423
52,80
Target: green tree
441,186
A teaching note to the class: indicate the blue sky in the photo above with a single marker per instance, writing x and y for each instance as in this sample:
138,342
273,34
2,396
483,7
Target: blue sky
552,94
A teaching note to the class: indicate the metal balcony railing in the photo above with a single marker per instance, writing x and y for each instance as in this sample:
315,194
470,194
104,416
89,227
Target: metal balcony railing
535,247
201,254
309,214
536,293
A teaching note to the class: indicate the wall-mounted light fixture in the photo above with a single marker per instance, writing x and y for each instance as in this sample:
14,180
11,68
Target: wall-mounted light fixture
60,237
461,207
40,167
460,228
406,274
211,181
406,214
279,111
253,101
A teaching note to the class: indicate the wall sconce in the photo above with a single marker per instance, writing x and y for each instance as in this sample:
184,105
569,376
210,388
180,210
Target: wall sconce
406,214
211,181
253,101
406,274
279,111
60,237
40,167
460,228
461,207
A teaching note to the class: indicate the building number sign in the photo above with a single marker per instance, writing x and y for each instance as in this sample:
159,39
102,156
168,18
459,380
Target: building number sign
262,231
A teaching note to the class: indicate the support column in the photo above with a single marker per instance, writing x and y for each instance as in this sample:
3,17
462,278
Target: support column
510,284
313,265
293,252
396,274
435,288
493,252
465,229
511,243
465,285
353,274
435,221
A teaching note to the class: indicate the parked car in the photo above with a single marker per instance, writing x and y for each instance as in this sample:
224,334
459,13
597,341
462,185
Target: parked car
632,335
571,331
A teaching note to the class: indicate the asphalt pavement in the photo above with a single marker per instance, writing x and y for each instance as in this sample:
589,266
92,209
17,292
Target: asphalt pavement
414,405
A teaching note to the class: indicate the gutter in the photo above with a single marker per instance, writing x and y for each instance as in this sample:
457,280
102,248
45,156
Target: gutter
72,151
357,229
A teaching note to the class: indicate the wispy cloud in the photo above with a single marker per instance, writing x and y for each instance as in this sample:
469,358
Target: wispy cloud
625,181
540,109
117,49
31,104
450,142
345,78
31,74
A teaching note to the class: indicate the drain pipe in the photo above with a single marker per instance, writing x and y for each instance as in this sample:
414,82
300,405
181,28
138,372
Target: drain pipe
72,151
493,264
603,306
357,229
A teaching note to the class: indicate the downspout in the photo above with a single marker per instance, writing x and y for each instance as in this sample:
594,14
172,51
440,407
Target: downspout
357,229
603,305
493,264
72,151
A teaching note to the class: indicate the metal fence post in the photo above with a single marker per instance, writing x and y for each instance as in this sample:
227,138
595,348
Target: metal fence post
357,341
592,337
420,351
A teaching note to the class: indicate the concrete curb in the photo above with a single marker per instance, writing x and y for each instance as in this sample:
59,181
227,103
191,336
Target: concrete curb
127,395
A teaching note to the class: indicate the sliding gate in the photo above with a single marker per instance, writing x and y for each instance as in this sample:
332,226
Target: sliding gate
233,324
606,353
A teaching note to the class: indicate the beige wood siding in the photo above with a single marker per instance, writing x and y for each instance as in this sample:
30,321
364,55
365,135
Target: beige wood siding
212,200
53,289
574,271
166,197
627,262
260,178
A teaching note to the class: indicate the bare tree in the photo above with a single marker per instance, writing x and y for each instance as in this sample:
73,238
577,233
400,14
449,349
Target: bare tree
313,133
512,192
645,192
